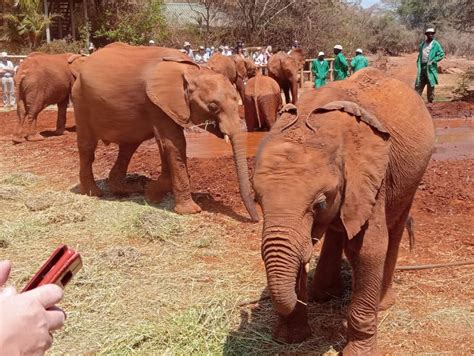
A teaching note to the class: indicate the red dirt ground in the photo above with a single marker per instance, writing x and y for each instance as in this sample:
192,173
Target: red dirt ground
443,208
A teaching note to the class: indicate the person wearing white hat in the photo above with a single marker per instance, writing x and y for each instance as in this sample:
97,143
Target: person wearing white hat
151,43
320,69
340,66
227,52
7,71
430,53
199,57
188,50
359,61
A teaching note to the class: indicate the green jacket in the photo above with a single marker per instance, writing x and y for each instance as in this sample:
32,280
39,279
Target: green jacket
436,54
320,70
359,62
340,67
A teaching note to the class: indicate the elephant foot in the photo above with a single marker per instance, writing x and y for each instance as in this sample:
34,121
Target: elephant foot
92,191
35,137
323,292
155,191
293,329
18,139
359,348
388,300
187,207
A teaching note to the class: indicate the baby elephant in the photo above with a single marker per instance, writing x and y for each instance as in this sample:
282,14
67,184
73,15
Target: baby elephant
262,101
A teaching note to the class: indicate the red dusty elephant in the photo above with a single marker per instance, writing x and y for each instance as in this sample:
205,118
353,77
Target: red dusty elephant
42,80
284,68
166,93
346,164
261,102
235,68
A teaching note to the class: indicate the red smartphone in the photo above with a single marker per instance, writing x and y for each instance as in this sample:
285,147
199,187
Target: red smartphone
59,269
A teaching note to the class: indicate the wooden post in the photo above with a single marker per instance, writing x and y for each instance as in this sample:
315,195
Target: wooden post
48,32
86,19
73,23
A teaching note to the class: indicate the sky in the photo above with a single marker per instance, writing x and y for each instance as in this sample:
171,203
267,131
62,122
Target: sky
368,3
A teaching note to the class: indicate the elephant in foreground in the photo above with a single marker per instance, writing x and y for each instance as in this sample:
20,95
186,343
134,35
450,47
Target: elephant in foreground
42,80
166,93
346,164
235,68
262,101
284,68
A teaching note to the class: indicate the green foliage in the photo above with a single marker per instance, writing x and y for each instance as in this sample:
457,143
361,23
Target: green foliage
132,22
462,89
25,22
389,36
61,46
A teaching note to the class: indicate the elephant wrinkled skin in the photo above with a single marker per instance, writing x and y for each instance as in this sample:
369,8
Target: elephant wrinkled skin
261,102
128,94
346,163
284,68
44,79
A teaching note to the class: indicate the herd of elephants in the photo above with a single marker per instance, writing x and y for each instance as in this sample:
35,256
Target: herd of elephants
343,161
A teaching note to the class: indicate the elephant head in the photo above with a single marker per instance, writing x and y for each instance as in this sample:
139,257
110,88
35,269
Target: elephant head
315,171
75,61
191,95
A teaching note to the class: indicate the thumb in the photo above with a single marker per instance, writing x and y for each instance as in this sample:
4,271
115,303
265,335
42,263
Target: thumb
5,267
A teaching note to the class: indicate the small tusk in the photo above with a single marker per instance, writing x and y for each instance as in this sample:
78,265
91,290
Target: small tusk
300,301
306,267
226,139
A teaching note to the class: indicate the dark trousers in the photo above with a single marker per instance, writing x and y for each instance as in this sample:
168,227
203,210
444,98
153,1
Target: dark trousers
425,82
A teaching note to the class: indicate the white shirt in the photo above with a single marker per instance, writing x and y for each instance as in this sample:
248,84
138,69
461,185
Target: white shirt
261,59
227,53
6,65
425,55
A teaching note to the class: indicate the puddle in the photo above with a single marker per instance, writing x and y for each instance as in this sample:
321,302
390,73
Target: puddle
454,140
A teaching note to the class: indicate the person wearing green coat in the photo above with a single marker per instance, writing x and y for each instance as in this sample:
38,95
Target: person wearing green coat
320,69
429,54
359,61
341,67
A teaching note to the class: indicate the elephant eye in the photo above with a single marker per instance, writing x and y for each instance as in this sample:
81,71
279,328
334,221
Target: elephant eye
213,107
319,204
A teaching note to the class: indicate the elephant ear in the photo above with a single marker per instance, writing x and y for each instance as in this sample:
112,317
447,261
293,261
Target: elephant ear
167,87
367,151
74,61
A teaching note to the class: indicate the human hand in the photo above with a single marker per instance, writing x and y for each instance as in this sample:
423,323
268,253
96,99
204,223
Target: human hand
27,319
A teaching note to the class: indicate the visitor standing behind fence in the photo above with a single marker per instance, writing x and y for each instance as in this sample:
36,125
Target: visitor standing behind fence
320,69
340,65
359,61
429,54
7,71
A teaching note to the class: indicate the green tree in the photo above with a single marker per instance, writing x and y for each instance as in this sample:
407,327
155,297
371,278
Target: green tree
25,21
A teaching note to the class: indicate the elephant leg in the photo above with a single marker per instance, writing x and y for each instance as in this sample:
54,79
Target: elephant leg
32,130
18,136
295,328
286,91
86,144
156,190
395,234
294,92
366,252
61,120
250,114
174,143
118,172
327,278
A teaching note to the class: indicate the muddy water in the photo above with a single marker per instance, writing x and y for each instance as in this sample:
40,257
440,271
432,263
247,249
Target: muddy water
454,140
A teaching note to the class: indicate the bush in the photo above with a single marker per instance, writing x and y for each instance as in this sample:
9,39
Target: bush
61,46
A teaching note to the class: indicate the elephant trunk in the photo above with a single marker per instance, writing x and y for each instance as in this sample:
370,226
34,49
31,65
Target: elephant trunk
239,147
282,263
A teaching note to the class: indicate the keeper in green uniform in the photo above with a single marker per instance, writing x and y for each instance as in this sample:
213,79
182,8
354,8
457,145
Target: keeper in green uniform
320,69
429,54
341,68
359,61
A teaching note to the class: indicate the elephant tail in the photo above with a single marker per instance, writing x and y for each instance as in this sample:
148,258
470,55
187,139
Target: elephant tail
410,226
255,102
20,97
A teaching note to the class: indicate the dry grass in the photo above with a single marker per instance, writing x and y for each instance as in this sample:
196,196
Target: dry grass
155,282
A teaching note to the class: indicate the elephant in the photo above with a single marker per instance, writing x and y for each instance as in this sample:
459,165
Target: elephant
235,68
284,68
44,79
166,93
262,101
345,163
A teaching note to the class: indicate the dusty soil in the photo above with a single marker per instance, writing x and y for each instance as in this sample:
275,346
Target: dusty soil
443,213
